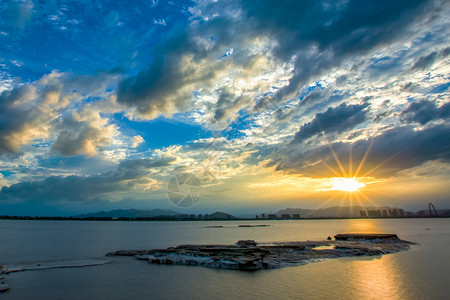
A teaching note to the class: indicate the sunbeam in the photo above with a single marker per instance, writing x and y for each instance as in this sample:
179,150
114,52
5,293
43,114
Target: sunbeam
363,160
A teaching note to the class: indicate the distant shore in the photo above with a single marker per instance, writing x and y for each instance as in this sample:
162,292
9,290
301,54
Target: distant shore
173,218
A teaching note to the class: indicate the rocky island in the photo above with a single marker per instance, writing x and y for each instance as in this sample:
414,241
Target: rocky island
250,255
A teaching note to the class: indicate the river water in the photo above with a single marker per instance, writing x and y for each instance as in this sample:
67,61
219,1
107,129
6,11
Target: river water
419,273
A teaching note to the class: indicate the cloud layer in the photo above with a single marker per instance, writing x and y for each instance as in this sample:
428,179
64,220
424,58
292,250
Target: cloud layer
233,90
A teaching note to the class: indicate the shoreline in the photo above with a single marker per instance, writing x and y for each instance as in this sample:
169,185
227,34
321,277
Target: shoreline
165,218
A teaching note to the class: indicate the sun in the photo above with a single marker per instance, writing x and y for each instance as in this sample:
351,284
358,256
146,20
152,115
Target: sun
346,184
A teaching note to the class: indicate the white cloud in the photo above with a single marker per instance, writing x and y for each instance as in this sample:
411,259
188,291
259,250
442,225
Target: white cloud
85,132
137,140
159,21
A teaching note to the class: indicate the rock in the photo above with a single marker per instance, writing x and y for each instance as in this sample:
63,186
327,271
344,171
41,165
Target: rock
249,255
128,253
246,243
4,287
365,236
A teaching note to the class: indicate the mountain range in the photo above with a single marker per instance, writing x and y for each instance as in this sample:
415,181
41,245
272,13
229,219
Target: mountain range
328,212
137,213
130,213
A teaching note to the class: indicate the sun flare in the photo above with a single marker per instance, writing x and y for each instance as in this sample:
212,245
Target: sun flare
346,184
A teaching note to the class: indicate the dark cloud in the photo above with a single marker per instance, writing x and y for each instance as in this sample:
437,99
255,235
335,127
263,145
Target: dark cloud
228,104
410,87
390,152
82,137
18,118
424,111
323,33
29,112
179,67
315,36
380,116
340,118
445,52
145,163
444,111
315,96
150,91
57,188
425,62
130,173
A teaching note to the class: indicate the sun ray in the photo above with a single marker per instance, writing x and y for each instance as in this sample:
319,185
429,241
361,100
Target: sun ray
350,161
341,203
331,149
379,165
368,199
350,196
363,159
359,200
326,201
390,195
337,160
331,169
346,181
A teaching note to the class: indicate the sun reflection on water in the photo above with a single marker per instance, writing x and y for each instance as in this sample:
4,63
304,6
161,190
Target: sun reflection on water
378,278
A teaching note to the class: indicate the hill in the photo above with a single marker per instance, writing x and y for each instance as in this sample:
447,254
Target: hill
130,213
221,216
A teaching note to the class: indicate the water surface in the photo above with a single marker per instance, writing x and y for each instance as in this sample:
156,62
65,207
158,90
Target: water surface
420,273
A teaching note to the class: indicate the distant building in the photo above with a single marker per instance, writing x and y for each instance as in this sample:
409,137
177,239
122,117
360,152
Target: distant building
393,212
296,216
363,213
272,216
285,216
401,212
374,213
385,213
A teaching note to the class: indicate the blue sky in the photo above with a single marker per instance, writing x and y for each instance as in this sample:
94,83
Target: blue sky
266,102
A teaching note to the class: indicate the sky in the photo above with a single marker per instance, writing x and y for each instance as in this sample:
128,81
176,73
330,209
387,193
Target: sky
239,106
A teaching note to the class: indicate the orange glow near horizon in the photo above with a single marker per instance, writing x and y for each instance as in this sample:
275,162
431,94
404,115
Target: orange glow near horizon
347,183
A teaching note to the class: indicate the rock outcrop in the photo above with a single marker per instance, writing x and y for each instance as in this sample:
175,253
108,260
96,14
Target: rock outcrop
366,236
249,255
4,287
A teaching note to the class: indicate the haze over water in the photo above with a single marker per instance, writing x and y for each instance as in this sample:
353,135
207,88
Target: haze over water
419,273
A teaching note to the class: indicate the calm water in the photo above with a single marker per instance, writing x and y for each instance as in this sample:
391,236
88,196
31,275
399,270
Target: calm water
420,273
